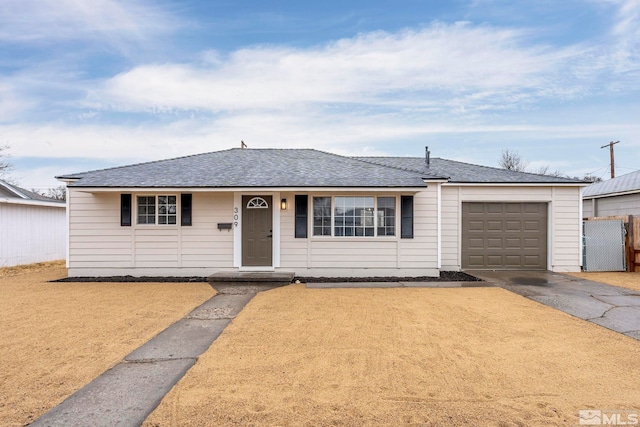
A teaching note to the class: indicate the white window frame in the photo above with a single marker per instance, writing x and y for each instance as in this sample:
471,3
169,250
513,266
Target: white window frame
157,214
375,217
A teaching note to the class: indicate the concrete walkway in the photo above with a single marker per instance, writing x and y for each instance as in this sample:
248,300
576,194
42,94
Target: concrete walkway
127,393
613,307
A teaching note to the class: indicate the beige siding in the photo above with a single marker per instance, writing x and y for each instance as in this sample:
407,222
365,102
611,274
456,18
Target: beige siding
567,229
564,219
96,240
99,246
349,256
294,253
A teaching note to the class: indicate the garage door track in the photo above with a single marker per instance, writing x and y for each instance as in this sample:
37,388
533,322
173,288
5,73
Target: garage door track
613,307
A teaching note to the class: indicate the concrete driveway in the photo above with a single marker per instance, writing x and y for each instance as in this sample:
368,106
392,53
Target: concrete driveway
613,307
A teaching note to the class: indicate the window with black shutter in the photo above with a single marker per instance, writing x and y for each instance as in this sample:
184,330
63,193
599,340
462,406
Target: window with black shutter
406,217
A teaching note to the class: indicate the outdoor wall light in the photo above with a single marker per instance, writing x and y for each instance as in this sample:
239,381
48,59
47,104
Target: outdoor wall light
283,204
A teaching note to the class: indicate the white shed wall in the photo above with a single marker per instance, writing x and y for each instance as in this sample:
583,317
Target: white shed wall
564,220
628,204
31,233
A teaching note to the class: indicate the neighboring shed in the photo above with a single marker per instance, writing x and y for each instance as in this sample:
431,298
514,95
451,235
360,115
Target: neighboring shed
318,214
33,228
615,197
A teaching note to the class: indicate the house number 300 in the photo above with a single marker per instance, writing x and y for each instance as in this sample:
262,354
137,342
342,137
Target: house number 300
235,217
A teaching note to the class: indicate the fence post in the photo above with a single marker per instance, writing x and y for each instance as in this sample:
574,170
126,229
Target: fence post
631,265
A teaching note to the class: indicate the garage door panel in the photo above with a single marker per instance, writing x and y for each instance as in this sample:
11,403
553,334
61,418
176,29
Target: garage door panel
530,243
477,208
532,226
476,243
513,208
534,208
493,226
494,260
513,243
531,261
494,243
512,261
512,225
504,235
476,226
476,261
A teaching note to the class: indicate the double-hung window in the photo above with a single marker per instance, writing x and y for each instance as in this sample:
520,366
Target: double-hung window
158,210
357,216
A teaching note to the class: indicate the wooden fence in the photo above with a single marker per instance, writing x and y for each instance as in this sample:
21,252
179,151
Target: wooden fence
631,240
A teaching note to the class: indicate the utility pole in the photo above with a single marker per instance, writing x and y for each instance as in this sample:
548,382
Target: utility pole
613,164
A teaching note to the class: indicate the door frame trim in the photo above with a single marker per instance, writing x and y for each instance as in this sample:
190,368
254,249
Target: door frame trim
237,230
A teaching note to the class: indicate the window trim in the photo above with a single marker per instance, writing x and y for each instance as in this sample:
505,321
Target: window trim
311,218
157,210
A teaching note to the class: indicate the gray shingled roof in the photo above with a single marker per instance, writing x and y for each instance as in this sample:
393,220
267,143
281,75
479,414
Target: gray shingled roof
252,168
21,193
297,168
622,184
460,172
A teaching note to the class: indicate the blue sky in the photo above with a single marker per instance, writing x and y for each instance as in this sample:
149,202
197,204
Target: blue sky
88,85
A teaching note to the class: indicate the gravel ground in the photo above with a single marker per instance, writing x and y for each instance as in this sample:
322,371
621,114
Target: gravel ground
404,356
56,337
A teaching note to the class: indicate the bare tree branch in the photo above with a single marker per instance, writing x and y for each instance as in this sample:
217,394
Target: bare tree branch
58,193
5,164
510,160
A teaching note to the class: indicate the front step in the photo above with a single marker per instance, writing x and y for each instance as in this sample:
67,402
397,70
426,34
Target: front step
245,277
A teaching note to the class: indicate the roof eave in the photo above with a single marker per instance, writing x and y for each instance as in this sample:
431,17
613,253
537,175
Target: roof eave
106,189
618,193
520,183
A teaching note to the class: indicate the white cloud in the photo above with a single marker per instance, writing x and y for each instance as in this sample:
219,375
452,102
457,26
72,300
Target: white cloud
12,105
341,133
51,20
628,17
439,66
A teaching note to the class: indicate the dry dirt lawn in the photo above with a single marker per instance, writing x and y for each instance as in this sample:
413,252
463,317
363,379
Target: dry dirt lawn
622,279
413,357
56,337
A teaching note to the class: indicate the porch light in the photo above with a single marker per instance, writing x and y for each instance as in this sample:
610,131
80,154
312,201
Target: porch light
283,204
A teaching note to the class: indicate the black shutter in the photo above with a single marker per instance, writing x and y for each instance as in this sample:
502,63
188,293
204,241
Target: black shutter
302,207
185,203
406,216
125,210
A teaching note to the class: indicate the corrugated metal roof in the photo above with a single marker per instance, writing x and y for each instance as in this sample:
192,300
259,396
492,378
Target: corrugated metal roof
24,194
622,184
